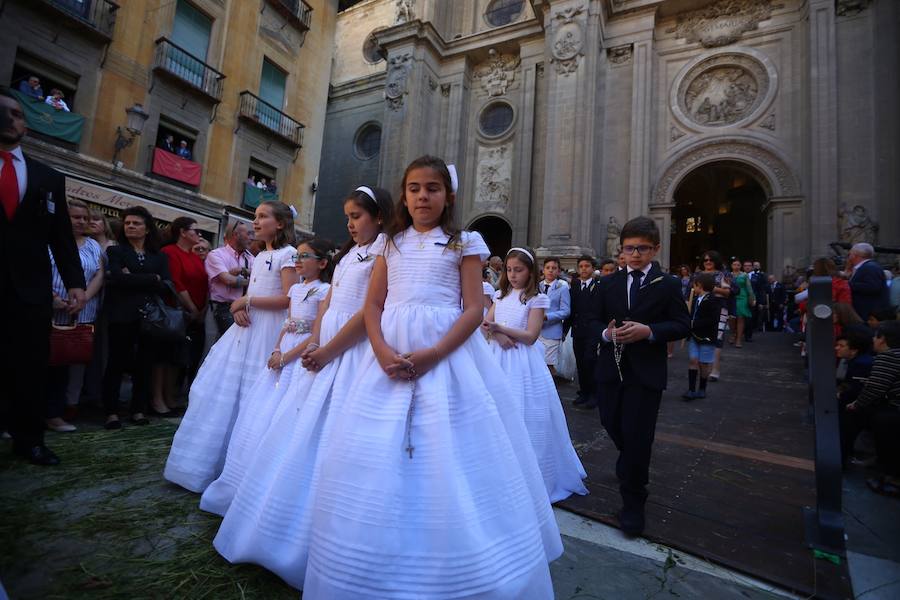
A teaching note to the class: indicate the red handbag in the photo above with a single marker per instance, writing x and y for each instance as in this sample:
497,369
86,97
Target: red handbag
71,344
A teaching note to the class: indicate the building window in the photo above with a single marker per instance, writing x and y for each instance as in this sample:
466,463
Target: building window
367,144
191,30
503,12
172,137
496,119
272,82
260,185
372,52
693,225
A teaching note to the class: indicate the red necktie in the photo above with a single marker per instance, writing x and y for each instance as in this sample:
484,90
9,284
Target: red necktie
9,185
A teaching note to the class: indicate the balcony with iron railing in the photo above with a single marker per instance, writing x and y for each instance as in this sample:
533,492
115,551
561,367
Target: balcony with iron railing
95,17
262,114
182,66
297,12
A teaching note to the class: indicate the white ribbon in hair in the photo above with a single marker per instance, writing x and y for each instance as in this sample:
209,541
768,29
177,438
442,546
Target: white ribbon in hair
293,210
523,251
454,178
367,191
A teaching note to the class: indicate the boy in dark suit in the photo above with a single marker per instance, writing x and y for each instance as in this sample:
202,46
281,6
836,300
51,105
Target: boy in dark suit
705,311
586,329
644,310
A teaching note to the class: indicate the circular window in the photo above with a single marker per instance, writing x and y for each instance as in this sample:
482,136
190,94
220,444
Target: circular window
372,52
496,119
503,12
368,141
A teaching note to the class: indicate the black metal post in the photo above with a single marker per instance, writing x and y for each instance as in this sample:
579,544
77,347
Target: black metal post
825,522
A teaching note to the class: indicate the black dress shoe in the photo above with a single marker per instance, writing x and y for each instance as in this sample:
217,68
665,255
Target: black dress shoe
117,424
579,399
38,455
588,404
632,521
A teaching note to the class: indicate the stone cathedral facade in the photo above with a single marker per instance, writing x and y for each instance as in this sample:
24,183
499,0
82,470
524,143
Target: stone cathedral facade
763,128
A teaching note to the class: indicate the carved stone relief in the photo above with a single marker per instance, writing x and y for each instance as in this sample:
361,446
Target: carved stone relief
675,134
620,55
497,72
723,90
568,40
779,180
494,178
855,225
405,11
848,8
723,22
768,122
397,77
445,90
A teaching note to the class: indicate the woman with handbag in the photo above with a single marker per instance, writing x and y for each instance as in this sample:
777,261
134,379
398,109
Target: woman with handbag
136,274
76,341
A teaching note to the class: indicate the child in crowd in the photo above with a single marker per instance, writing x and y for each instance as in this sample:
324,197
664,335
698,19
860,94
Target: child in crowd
514,324
488,289
854,352
426,488
607,267
269,519
239,357
644,309
558,310
705,330
313,267
586,329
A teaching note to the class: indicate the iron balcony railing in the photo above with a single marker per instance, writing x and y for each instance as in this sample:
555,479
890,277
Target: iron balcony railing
258,111
181,64
97,15
298,12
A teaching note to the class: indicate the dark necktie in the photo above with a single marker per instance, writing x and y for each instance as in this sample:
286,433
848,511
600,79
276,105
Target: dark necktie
635,286
9,185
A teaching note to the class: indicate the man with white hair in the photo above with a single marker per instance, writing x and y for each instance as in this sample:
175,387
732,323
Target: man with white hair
495,266
868,288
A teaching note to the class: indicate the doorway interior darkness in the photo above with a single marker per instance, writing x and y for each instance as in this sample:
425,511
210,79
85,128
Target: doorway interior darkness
496,232
719,206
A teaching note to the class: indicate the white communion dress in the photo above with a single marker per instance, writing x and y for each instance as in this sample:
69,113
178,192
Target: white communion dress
269,518
425,489
259,405
531,392
230,370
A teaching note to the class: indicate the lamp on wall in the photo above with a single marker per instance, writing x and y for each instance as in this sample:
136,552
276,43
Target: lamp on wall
137,116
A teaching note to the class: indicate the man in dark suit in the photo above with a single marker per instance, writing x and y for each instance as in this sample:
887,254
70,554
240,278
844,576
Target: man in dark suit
585,331
642,309
868,285
758,281
775,303
33,215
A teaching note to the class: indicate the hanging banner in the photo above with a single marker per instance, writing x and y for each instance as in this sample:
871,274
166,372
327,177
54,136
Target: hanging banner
45,119
174,167
117,201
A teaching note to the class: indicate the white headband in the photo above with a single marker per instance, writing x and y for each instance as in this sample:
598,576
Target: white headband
454,178
293,210
523,251
367,191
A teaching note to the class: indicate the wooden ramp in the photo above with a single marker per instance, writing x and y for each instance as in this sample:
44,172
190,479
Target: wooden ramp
730,474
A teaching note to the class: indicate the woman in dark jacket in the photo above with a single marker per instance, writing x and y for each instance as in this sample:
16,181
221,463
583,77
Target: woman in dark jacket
136,271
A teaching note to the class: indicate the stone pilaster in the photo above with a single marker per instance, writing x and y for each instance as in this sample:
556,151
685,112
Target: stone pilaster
641,125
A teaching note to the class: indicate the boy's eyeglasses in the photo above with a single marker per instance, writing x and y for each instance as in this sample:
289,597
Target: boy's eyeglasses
642,249
305,255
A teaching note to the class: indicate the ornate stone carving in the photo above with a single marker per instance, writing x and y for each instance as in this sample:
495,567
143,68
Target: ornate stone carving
723,22
675,134
613,237
405,11
723,90
397,77
497,72
494,177
855,226
568,40
768,122
778,178
432,84
848,8
620,55
539,70
445,90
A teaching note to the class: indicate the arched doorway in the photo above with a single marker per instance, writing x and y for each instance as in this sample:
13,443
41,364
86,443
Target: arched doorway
496,232
719,206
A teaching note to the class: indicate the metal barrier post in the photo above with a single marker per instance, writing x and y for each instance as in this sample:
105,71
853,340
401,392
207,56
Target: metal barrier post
825,522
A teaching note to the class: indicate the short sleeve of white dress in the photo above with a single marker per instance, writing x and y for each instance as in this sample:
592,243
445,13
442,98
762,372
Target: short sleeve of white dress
496,295
473,244
284,258
379,245
539,301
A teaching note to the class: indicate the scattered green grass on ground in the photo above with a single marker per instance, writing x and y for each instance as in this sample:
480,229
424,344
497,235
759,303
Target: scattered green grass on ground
106,525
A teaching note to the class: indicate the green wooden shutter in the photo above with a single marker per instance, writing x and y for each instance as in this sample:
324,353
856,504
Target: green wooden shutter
191,30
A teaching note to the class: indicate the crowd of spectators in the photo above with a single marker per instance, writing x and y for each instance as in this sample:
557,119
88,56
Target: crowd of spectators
267,185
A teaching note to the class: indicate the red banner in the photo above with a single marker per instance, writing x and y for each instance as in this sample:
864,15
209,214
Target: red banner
174,167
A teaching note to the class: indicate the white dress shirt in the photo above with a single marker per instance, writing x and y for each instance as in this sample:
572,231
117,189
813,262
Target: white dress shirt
629,279
21,170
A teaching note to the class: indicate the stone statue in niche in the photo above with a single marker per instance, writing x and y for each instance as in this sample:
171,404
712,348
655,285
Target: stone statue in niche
613,237
855,226
497,73
398,73
405,11
494,179
721,96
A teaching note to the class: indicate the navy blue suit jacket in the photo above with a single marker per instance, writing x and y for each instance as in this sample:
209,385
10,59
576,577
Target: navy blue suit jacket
869,290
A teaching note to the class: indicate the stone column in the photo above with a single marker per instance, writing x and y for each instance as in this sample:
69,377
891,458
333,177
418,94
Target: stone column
572,39
823,184
641,125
